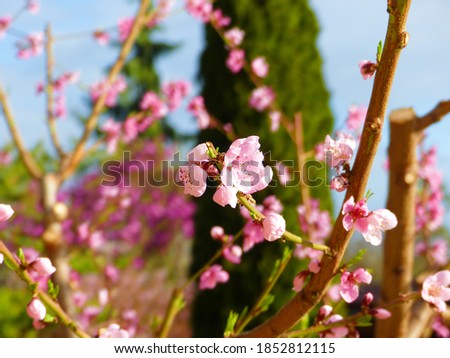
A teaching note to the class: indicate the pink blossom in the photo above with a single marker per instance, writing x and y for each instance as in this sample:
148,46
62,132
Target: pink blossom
356,117
33,7
275,119
319,152
175,92
370,224
217,232
65,79
233,254
60,106
260,67
284,174
367,299
435,289
314,266
349,283
226,195
36,309
112,273
102,37
113,331
6,211
272,205
199,154
339,183
151,102
201,9
380,313
79,299
274,227
234,37
299,281
194,179
40,87
161,12
261,98
112,91
243,166
112,131
440,328
197,107
219,19
367,69
253,234
211,277
31,46
124,27
235,60
43,266
5,21
324,312
1,258
130,129
317,223
5,157
339,151
335,332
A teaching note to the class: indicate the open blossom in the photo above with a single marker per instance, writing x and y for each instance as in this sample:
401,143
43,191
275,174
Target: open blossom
112,131
367,69
349,283
124,27
340,150
219,19
6,211
211,277
233,254
369,223
261,98
113,331
33,7
153,103
200,9
234,36
243,166
31,46
436,290
260,67
356,117
43,266
36,309
335,332
226,195
235,60
112,91
274,227
197,107
175,92
192,175
4,24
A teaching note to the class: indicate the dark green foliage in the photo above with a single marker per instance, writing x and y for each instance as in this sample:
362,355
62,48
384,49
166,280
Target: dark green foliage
285,32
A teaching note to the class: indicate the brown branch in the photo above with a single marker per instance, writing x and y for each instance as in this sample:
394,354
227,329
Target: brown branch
25,155
305,300
49,90
77,155
398,261
433,116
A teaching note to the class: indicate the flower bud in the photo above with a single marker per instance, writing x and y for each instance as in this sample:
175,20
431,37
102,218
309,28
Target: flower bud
217,232
6,212
43,266
367,299
380,313
36,309
324,312
274,227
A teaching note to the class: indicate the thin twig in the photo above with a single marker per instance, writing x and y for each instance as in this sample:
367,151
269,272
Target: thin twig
49,90
25,155
433,116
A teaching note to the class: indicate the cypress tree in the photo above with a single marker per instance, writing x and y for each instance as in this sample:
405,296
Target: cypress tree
285,32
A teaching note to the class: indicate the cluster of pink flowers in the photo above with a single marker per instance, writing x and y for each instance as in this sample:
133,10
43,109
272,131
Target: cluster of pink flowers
436,251
371,224
261,98
212,276
317,224
325,316
113,331
31,46
112,90
200,9
430,210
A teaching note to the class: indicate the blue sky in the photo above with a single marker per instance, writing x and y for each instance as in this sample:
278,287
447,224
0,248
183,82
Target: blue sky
350,31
